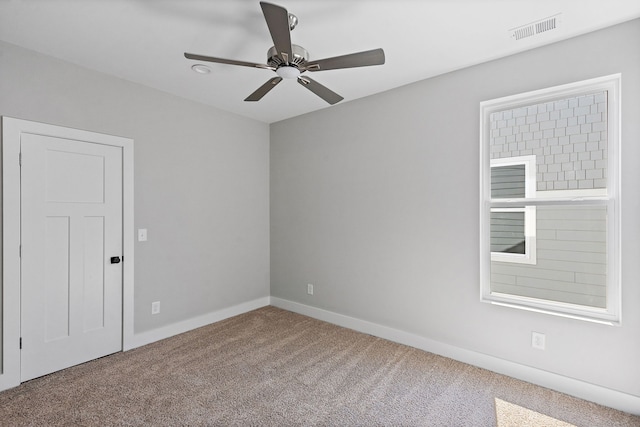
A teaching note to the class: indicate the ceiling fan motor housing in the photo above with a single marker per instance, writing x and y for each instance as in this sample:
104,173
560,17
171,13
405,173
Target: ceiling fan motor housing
300,57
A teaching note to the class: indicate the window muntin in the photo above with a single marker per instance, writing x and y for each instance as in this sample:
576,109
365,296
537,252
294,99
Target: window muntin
572,133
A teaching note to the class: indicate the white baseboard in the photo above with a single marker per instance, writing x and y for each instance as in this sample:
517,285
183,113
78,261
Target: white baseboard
196,322
583,390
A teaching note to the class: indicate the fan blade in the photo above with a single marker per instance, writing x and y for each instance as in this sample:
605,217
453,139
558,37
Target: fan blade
277,19
226,61
322,91
360,59
264,89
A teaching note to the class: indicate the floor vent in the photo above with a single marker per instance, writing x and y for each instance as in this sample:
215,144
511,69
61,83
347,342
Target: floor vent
535,28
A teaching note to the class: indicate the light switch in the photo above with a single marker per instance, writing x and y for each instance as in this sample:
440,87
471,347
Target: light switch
142,234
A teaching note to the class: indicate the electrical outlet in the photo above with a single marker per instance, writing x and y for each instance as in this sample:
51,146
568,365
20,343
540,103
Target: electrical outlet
310,289
538,340
155,307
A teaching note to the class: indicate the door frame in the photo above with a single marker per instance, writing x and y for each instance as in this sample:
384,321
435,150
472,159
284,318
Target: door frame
12,129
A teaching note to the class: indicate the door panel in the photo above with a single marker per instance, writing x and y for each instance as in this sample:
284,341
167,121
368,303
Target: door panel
63,169
71,224
94,288
56,272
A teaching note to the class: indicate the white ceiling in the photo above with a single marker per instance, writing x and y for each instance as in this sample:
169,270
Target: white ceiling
143,41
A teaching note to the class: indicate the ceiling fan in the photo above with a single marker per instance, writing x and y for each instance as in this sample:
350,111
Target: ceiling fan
290,61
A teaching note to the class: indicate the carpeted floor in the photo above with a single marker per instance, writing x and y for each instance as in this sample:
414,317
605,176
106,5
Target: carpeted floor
271,367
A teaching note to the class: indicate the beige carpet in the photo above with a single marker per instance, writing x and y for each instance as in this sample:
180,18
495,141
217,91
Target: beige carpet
271,367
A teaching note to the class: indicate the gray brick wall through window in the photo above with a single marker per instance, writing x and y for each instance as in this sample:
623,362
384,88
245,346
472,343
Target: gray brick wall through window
568,138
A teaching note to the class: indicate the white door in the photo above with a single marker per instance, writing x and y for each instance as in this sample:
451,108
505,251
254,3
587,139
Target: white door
71,226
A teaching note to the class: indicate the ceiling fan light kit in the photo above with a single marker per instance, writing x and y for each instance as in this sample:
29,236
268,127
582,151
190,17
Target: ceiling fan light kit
289,61
288,72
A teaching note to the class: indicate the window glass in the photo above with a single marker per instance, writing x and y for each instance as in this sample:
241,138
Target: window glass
508,181
507,232
571,258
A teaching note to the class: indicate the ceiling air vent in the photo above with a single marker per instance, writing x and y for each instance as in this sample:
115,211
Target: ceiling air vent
535,28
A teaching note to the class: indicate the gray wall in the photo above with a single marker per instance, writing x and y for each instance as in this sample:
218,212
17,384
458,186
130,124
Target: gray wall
376,202
201,182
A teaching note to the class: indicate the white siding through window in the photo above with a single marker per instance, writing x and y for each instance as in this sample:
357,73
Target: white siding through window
571,259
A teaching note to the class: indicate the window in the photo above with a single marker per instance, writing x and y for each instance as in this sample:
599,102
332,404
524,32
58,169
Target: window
549,214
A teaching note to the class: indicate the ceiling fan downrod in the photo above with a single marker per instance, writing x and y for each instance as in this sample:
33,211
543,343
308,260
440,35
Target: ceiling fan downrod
293,21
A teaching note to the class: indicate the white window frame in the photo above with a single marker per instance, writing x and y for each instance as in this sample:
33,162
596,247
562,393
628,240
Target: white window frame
611,314
529,256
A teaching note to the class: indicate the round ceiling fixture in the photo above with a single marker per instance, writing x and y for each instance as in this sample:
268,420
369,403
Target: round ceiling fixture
288,72
201,69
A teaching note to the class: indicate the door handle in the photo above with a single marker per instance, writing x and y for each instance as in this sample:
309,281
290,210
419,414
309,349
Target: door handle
115,260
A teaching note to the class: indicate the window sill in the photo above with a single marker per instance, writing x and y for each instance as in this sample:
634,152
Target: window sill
570,311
